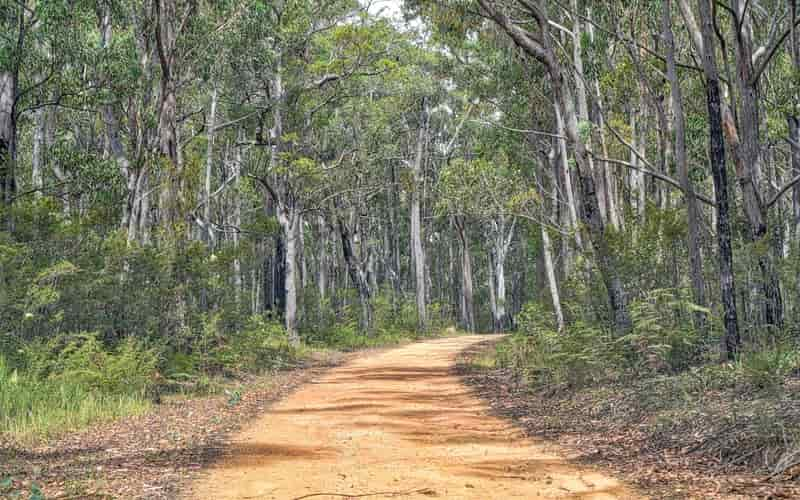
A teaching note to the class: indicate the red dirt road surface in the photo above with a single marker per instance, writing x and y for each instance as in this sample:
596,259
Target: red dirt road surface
398,424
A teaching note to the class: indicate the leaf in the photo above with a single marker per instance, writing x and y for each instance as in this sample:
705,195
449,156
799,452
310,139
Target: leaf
695,308
36,493
6,483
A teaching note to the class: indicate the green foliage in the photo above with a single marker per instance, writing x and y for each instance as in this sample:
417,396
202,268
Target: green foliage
662,340
83,359
259,346
576,357
769,368
32,407
18,490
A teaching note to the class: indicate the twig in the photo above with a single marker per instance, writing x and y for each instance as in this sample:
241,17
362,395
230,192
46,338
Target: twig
423,491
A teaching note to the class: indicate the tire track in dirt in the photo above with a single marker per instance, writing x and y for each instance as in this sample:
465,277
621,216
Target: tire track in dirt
398,424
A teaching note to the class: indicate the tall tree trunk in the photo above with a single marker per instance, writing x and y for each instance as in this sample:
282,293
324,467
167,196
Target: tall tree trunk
418,251
166,44
731,340
794,126
745,148
572,204
237,224
638,136
171,203
131,176
501,242
393,267
322,271
467,301
692,208
794,135
289,220
39,150
357,275
583,106
8,144
492,287
547,254
610,183
208,234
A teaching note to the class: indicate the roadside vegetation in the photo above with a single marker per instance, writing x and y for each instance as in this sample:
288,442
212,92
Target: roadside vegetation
655,403
195,191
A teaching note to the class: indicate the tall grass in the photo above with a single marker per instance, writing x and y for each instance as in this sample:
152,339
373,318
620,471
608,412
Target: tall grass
31,408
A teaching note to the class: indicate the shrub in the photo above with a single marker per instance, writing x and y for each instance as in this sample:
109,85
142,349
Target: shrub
83,360
662,340
261,345
546,357
768,369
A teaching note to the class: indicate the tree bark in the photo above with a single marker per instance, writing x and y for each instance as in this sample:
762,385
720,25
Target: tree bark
492,287
501,242
731,340
355,269
39,150
8,143
288,219
572,204
237,223
467,301
692,208
417,248
322,271
208,234
547,254
166,41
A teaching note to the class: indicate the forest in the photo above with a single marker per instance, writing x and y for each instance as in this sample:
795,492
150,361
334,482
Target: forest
199,191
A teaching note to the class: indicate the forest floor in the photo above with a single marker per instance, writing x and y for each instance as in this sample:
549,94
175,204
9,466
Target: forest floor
624,431
152,455
396,424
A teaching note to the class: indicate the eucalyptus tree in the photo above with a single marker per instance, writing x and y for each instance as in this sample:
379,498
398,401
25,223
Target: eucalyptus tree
529,26
481,190
44,48
309,51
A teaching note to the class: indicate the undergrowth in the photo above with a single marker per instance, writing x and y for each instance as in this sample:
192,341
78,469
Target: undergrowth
661,378
69,381
31,407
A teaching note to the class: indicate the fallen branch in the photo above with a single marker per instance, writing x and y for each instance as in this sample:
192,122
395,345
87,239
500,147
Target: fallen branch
422,491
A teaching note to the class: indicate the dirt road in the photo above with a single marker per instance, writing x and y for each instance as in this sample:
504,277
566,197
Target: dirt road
397,424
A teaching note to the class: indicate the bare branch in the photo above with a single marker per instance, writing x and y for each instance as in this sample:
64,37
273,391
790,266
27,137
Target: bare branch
662,177
786,187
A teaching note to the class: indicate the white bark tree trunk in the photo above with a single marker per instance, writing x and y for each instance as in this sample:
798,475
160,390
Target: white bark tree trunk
208,234
39,148
492,286
569,191
467,300
289,221
547,251
322,274
501,243
417,248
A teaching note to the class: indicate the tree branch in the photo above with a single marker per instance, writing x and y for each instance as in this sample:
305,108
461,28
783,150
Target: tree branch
662,177
786,187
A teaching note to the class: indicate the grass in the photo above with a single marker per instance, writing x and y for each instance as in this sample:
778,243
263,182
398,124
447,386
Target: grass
32,409
35,407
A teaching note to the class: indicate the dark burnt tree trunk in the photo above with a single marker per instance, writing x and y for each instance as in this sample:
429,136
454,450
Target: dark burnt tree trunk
731,340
